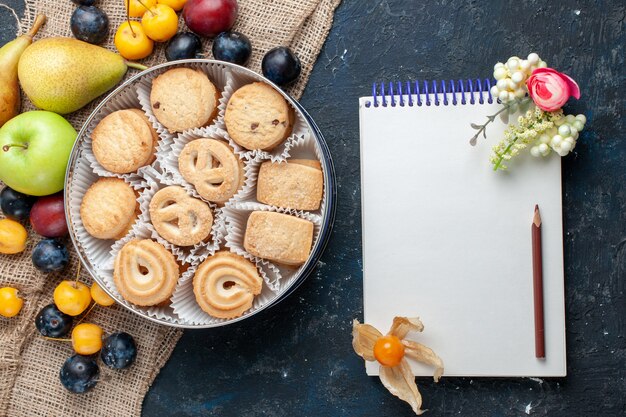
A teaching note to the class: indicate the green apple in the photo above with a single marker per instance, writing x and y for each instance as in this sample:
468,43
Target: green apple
34,149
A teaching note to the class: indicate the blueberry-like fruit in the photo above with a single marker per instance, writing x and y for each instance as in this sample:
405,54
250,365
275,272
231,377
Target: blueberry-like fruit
281,66
52,322
16,205
50,255
119,350
79,374
89,24
232,47
184,45
85,2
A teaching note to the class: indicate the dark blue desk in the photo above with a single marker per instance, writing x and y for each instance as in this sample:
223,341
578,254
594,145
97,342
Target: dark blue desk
296,359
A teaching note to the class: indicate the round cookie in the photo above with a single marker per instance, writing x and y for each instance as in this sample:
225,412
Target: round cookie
124,141
145,273
258,117
109,208
213,169
183,98
225,285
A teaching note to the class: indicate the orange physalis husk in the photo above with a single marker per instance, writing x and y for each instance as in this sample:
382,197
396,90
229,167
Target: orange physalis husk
399,380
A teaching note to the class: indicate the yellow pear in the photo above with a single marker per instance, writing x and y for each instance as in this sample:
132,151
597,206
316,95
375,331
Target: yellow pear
63,74
9,57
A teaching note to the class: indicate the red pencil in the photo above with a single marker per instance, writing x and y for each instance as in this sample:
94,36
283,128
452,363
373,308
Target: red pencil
540,350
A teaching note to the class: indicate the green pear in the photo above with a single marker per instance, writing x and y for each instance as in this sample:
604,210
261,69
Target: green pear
62,75
9,57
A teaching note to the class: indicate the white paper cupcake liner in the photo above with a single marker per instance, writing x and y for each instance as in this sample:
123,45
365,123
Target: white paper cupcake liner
126,99
280,152
302,149
97,250
185,306
189,254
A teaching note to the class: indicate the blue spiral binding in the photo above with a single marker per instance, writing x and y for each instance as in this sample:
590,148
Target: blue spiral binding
436,93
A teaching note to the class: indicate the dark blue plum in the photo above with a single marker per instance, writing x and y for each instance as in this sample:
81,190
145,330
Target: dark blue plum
52,322
50,255
232,47
89,24
16,205
281,66
79,374
119,351
184,45
85,2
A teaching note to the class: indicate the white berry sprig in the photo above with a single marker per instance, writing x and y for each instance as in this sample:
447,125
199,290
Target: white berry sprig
511,77
561,138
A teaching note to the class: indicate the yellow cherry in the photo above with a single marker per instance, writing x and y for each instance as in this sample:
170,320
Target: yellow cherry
12,237
136,9
87,338
131,41
10,302
160,23
72,297
174,4
100,296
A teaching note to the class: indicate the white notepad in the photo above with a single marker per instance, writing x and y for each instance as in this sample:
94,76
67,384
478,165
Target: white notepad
447,239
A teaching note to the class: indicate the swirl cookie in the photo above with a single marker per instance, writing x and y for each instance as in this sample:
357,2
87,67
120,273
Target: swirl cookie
179,218
258,117
297,184
145,273
213,169
183,98
109,208
124,141
225,285
278,237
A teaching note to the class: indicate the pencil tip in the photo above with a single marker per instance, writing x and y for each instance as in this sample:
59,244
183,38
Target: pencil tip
537,216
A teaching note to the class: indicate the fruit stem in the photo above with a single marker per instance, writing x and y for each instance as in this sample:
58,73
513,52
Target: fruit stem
146,7
128,18
77,276
85,315
58,339
39,21
136,65
6,148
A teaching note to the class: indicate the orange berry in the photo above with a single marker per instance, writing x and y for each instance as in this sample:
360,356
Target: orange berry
72,297
160,23
389,351
10,302
100,296
87,338
136,9
131,41
12,237
174,4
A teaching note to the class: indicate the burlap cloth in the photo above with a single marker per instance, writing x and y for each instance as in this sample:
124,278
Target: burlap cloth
29,364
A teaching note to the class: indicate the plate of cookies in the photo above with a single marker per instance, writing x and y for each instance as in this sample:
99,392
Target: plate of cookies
198,193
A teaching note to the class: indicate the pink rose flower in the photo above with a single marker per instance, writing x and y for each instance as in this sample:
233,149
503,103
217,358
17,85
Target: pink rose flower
550,89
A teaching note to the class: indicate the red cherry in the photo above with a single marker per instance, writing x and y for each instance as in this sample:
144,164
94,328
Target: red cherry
47,217
210,17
